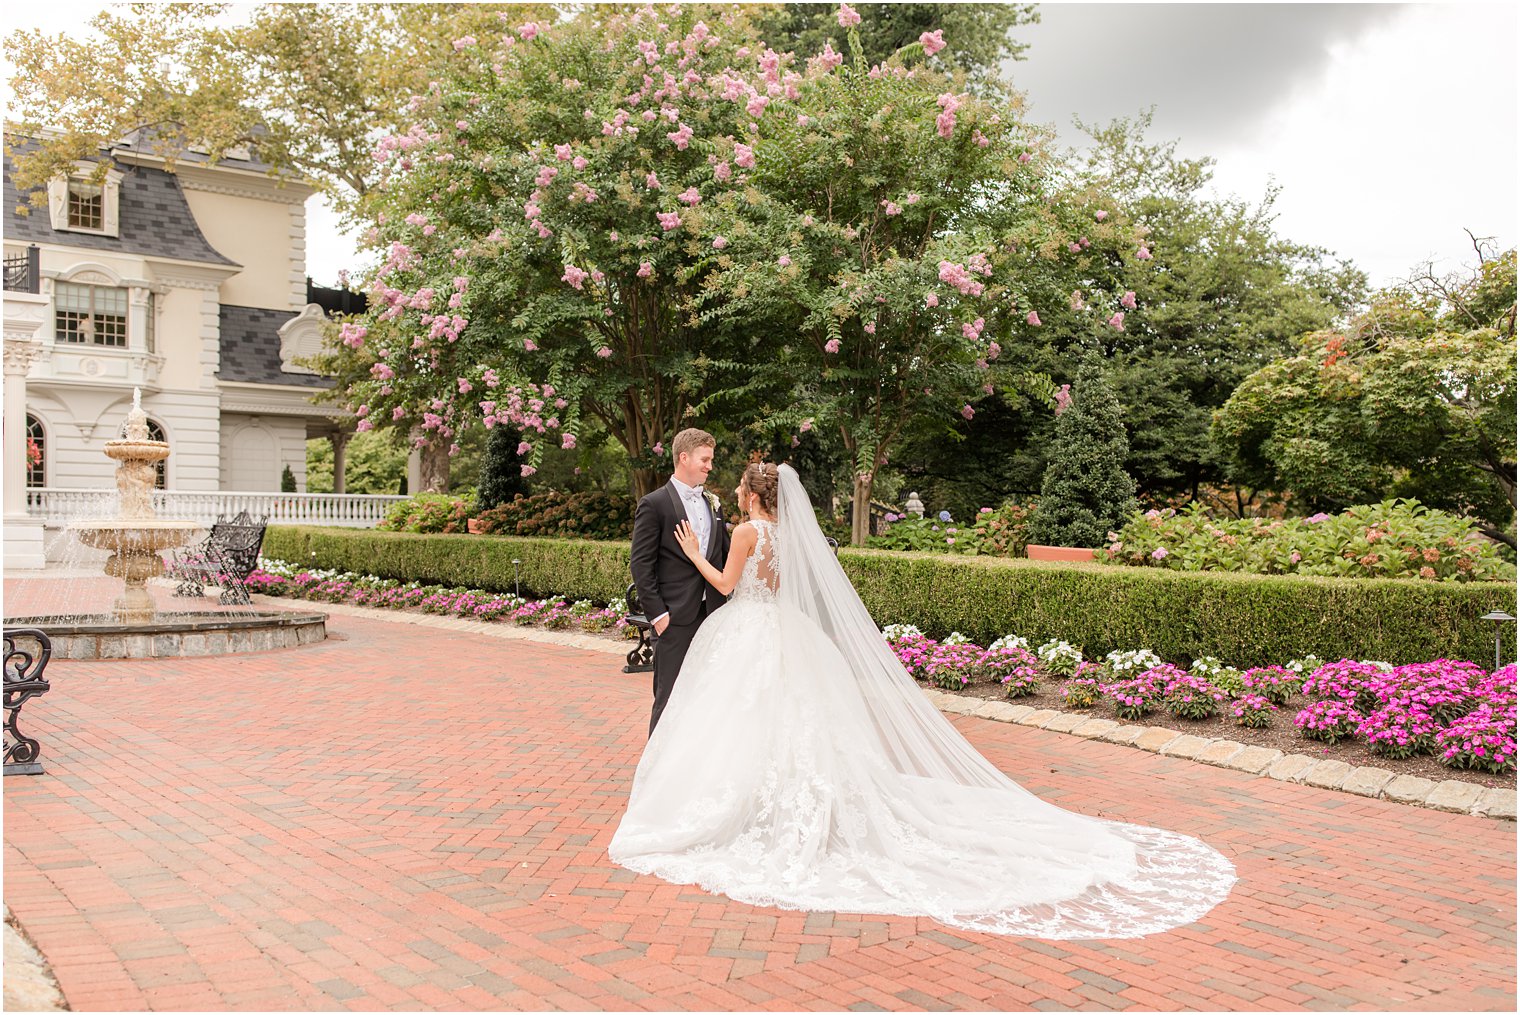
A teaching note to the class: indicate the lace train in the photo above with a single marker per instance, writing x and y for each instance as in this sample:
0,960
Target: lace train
771,781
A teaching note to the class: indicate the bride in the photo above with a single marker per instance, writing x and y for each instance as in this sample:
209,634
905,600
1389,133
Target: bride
798,765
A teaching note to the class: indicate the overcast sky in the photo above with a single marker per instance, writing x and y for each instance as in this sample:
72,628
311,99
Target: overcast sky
1390,127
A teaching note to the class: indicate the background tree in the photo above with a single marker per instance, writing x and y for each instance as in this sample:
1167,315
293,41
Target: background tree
501,476
1410,400
1216,295
1086,492
373,463
308,85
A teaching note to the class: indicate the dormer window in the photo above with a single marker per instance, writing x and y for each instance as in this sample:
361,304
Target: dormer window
83,204
87,206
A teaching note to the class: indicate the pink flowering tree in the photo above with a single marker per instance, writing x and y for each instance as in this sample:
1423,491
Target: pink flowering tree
547,232
900,231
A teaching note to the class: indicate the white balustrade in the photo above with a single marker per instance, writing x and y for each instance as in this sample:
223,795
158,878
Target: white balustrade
347,510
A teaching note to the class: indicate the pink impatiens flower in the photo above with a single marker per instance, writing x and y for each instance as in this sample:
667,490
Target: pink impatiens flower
933,41
847,16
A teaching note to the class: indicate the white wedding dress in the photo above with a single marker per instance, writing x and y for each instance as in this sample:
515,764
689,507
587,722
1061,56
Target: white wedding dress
798,765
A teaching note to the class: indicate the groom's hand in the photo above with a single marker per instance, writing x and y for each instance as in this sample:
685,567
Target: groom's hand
661,624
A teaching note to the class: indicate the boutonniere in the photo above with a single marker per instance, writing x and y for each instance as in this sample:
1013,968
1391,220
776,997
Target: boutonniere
712,501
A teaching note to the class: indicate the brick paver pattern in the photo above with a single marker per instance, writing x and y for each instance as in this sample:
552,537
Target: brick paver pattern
409,818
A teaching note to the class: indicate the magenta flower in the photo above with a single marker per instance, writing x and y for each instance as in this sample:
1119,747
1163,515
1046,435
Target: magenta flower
847,16
563,152
1144,253
603,353
783,260
933,41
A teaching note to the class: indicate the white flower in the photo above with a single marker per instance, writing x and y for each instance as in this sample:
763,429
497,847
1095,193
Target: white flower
897,632
956,638
1008,641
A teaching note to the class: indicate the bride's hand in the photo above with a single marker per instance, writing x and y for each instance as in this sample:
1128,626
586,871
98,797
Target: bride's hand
688,540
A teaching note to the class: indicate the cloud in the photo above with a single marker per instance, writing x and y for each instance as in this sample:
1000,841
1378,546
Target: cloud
1211,70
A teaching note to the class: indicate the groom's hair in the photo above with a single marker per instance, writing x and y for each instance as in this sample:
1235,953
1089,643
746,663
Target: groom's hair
689,440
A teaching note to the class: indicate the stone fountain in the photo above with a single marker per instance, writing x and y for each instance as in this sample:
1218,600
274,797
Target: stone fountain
137,535
135,629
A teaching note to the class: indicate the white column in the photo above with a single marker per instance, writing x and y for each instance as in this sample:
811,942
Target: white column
25,316
339,440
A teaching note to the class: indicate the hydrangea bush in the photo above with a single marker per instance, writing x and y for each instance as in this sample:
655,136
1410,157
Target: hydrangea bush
1394,539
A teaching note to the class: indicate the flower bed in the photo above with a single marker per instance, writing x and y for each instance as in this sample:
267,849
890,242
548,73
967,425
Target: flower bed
1441,719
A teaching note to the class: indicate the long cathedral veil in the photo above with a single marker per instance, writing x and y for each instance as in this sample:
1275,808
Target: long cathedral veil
992,855
914,734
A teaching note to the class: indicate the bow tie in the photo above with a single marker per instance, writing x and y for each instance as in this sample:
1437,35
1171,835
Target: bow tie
694,494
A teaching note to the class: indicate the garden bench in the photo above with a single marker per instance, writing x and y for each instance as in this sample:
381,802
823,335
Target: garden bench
23,681
226,557
641,658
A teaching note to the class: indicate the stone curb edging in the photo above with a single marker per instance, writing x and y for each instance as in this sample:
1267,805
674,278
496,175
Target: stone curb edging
29,983
1376,783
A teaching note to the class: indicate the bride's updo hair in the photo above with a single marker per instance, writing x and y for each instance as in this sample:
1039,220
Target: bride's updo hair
760,479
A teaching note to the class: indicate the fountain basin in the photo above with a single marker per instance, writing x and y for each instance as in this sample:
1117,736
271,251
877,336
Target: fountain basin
172,635
135,535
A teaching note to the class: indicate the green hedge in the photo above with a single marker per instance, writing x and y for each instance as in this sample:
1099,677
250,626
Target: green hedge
1244,619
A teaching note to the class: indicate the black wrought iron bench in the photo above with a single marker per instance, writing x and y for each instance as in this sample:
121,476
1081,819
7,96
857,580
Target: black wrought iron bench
226,557
27,651
641,657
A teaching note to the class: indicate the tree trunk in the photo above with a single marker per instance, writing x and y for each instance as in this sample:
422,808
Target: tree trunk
435,467
647,481
860,513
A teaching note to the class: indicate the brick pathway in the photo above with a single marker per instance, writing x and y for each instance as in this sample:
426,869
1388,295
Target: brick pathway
404,817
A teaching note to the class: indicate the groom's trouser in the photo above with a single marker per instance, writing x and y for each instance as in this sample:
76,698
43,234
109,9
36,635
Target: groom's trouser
669,652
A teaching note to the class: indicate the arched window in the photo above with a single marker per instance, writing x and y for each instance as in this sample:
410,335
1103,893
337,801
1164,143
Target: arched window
36,452
160,468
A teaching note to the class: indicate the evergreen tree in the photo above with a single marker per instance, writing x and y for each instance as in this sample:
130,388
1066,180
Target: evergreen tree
287,481
501,476
1086,491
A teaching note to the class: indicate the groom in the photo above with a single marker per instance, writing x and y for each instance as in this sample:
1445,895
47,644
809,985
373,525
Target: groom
675,596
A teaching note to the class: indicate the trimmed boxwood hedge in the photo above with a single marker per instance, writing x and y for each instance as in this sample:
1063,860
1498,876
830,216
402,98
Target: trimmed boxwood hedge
1244,619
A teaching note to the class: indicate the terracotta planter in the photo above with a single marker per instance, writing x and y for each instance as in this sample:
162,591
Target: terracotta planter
472,526
1038,551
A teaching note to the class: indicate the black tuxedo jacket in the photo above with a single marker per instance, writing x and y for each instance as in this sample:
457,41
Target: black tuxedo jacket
667,581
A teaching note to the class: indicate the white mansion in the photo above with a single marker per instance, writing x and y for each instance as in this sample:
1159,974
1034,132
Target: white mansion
189,285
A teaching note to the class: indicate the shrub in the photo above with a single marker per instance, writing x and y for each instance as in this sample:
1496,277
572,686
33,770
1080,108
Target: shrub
429,512
555,515
1086,491
1483,739
952,665
1329,720
501,477
1016,668
1193,697
1080,692
1274,683
1248,620
1394,539
1000,532
1252,711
